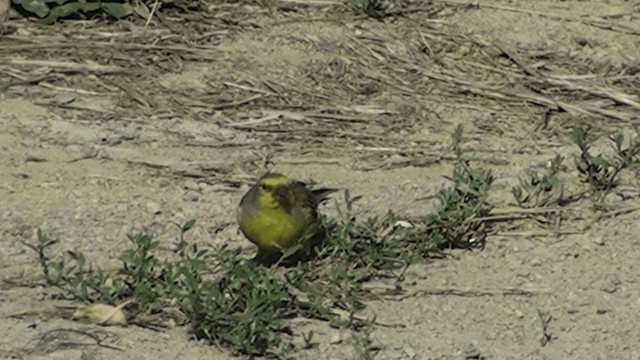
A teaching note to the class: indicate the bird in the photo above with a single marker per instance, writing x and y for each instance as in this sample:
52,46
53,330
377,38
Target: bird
278,212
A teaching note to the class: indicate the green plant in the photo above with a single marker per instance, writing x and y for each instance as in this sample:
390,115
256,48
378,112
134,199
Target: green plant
599,171
41,247
538,190
374,243
243,309
246,308
363,345
376,9
545,319
49,11
242,306
457,221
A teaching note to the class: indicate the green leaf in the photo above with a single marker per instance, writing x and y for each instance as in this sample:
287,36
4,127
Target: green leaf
189,224
119,11
68,9
59,2
37,7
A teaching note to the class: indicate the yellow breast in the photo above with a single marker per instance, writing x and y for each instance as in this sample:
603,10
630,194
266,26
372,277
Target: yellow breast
272,229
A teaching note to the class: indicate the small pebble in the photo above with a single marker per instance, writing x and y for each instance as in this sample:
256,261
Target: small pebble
614,279
409,352
35,158
472,353
191,185
336,338
153,207
609,288
598,241
191,196
65,97
582,41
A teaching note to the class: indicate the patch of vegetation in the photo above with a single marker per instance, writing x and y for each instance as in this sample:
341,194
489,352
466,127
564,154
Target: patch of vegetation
375,9
457,222
364,346
246,308
601,172
540,190
545,320
50,11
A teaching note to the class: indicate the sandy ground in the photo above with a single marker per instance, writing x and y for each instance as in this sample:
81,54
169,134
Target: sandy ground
171,124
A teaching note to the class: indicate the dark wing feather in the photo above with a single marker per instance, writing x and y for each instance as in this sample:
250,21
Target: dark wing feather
321,195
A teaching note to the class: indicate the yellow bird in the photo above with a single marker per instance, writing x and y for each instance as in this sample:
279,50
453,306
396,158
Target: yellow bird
277,212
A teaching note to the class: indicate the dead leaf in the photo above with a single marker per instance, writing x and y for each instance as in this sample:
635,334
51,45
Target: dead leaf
142,10
102,314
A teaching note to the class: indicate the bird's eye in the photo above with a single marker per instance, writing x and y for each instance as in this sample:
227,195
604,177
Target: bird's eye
263,186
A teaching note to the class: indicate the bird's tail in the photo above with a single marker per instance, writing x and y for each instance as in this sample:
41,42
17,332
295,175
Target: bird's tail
321,195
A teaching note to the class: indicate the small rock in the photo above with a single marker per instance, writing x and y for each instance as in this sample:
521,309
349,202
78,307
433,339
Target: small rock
472,353
191,196
582,41
519,314
65,97
409,352
336,338
598,241
35,158
609,288
153,207
191,185
614,279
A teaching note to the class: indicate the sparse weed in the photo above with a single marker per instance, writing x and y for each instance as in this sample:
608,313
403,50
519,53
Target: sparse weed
545,319
539,190
235,304
49,12
243,309
363,345
375,9
601,172
308,340
41,247
457,222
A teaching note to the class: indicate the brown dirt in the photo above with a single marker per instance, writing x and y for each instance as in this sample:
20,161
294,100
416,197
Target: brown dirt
109,129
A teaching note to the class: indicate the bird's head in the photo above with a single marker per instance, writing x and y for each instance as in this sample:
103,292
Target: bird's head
273,181
275,189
